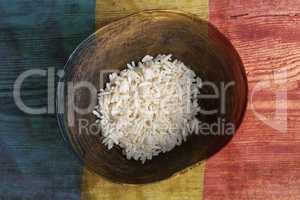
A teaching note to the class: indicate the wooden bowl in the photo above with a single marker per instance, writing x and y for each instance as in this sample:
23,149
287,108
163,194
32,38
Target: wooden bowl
195,42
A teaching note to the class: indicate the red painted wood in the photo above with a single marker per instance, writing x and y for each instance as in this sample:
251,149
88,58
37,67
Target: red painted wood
261,162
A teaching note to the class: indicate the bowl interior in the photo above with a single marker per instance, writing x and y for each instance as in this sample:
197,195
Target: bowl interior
195,42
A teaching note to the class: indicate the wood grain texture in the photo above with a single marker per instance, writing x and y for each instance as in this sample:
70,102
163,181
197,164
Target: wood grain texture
261,162
34,160
111,10
187,186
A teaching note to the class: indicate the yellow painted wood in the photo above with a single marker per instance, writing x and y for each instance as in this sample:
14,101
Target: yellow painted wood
110,10
185,186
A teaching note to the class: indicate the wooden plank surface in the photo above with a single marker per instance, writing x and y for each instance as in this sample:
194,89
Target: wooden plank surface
185,186
111,10
261,162
35,162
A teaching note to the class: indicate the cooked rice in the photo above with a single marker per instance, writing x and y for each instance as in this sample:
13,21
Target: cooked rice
149,108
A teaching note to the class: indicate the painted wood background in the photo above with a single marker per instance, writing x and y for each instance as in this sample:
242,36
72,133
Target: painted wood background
259,163
34,160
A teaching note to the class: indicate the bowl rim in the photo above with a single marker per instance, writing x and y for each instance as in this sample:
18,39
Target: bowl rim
60,116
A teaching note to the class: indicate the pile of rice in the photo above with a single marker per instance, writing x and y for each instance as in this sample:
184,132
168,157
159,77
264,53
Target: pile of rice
148,108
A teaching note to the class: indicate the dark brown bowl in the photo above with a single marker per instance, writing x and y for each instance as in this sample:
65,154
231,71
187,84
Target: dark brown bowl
195,42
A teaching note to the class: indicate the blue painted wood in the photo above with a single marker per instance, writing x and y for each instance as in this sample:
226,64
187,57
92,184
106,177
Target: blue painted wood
35,163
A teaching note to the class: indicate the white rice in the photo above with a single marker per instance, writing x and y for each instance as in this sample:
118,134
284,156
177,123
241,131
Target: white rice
149,108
